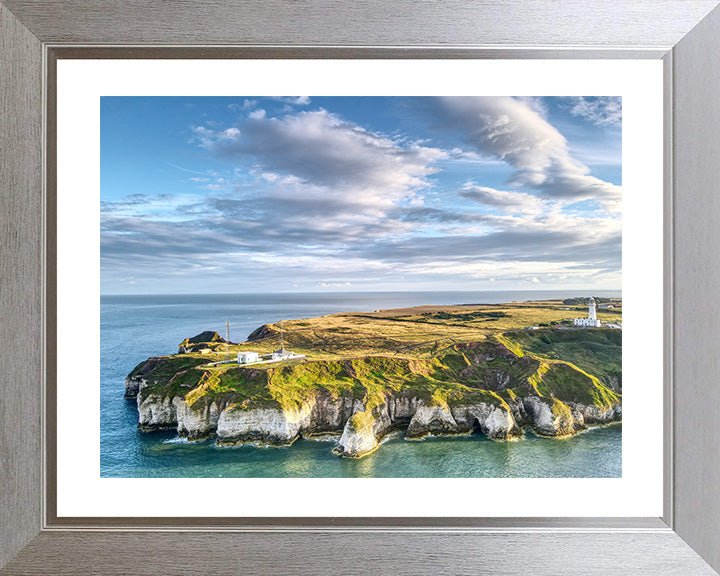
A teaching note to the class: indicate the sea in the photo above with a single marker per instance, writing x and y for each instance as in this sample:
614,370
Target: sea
135,327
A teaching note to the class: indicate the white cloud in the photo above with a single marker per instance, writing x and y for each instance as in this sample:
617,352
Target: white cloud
514,131
165,207
601,111
246,104
319,156
294,100
506,201
474,157
209,136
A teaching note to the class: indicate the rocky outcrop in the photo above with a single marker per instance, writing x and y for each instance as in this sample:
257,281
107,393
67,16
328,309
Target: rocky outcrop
551,417
329,413
196,424
436,420
271,426
495,421
361,429
597,415
208,339
156,412
137,378
132,385
361,435
402,408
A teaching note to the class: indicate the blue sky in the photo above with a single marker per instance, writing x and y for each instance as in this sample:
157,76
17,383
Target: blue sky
306,194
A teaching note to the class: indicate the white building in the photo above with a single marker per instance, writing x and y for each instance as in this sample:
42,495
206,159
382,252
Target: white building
283,354
591,321
247,357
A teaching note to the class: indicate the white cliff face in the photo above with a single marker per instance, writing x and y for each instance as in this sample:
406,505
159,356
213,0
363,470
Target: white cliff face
270,425
402,408
195,424
431,420
156,412
329,415
578,418
545,421
595,414
363,431
541,415
496,422
564,422
358,438
132,386
234,425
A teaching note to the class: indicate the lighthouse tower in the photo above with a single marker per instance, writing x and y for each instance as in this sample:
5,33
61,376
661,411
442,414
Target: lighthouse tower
592,311
592,320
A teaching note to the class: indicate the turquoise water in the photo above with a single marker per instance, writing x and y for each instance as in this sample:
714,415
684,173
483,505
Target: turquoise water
136,327
594,453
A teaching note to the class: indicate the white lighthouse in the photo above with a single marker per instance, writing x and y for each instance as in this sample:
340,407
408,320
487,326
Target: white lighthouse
592,311
591,321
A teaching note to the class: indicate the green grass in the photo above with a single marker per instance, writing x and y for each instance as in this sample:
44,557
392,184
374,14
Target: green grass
596,351
295,384
169,375
566,384
244,387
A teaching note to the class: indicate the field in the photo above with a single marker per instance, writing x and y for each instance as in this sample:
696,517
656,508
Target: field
409,332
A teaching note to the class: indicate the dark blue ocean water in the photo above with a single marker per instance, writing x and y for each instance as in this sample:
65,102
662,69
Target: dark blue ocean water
136,327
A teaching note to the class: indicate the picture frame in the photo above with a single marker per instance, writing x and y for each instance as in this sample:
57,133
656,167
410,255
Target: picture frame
683,33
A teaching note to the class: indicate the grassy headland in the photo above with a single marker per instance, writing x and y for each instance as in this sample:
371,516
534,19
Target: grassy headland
442,356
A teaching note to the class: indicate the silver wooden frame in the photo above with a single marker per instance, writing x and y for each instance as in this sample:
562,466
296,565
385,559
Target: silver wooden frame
684,33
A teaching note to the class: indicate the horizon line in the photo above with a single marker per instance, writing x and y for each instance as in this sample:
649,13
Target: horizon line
362,292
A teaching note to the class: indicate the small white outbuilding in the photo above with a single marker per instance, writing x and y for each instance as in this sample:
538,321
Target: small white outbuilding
247,357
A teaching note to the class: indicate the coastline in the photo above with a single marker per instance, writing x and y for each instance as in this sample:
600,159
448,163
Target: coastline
201,310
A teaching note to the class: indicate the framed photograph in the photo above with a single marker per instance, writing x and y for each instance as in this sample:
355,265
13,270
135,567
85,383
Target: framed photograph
444,307
325,289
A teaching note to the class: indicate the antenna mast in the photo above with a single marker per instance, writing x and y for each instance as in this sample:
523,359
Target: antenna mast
227,340
282,344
